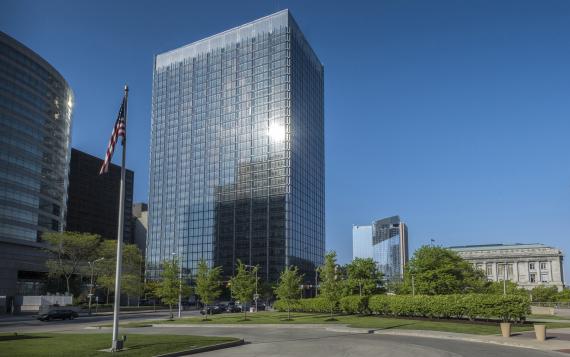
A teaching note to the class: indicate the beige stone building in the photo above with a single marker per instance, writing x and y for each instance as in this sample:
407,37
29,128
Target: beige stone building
528,265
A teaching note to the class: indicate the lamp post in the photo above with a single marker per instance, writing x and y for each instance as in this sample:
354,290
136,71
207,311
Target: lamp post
256,296
92,265
316,281
179,286
505,274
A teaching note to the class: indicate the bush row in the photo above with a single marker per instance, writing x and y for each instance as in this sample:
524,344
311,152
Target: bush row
472,306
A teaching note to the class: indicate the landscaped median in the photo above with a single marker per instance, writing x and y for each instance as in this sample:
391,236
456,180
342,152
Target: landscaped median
78,345
360,321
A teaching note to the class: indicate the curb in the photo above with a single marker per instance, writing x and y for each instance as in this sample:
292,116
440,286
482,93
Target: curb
466,339
192,351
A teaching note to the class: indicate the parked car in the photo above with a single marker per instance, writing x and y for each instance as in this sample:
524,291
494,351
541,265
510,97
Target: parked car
62,314
232,307
212,310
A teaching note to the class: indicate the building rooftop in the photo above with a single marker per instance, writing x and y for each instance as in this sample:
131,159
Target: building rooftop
268,23
500,246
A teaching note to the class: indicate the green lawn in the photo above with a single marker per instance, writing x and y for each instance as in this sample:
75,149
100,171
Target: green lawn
550,317
372,322
79,345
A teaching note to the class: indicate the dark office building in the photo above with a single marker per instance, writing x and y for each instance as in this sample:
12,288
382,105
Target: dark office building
35,122
237,151
93,203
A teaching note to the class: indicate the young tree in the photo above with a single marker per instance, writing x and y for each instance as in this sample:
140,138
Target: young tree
437,270
243,284
544,293
131,277
330,285
208,283
170,287
69,252
364,275
289,288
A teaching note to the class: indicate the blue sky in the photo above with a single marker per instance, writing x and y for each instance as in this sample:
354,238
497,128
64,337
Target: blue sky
453,114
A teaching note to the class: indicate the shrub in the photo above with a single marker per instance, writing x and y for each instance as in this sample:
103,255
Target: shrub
472,306
354,304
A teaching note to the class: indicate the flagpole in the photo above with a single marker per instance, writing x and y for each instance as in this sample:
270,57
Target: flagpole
118,345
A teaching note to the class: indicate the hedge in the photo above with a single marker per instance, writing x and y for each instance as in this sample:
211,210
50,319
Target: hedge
305,305
471,306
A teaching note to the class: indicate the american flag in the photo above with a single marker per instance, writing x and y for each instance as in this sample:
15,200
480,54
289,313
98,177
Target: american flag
120,129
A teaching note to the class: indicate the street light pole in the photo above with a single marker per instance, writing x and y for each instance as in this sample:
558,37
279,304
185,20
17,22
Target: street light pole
316,281
505,279
92,265
179,286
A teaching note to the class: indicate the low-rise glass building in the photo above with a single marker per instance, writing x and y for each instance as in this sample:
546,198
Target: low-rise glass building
385,241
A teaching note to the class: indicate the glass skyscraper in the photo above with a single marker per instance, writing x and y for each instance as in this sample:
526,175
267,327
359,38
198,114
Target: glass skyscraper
385,241
237,151
35,126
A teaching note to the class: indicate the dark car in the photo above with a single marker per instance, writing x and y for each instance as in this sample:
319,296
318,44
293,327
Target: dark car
212,310
232,307
62,314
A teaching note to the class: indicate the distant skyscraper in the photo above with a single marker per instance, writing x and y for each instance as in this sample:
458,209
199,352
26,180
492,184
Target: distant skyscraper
93,203
35,126
386,241
237,151
140,225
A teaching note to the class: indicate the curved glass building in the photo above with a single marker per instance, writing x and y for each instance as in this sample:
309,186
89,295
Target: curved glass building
35,126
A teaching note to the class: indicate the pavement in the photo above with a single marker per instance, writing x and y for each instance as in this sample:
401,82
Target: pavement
323,340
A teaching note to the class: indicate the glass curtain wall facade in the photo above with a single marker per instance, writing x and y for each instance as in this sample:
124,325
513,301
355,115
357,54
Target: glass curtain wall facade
390,246
237,151
385,241
35,124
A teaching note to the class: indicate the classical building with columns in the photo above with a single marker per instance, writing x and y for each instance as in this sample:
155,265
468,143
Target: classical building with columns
528,265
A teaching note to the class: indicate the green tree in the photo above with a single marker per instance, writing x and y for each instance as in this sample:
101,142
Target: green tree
131,268
363,275
170,287
243,285
544,293
289,288
208,283
330,285
69,253
437,270
498,288
563,296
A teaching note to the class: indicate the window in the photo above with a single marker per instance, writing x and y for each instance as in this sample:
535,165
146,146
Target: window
531,266
532,277
544,278
543,266
479,266
489,269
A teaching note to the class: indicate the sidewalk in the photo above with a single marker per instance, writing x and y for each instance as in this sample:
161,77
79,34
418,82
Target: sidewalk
557,339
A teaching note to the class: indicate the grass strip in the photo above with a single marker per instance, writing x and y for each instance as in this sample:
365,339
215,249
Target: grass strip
79,345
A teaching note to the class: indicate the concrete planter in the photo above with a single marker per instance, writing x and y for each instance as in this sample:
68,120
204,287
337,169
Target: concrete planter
540,332
506,329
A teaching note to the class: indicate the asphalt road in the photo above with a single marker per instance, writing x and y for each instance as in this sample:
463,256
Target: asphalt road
28,323
317,342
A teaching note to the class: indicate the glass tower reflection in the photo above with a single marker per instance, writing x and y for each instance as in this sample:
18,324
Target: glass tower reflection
237,151
386,241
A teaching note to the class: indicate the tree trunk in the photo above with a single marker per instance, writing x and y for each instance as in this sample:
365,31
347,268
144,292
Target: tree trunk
360,289
67,277
288,313
171,314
